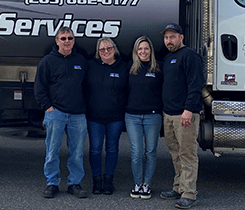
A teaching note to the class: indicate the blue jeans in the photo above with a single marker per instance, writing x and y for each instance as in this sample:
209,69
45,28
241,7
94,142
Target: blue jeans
139,126
75,127
97,132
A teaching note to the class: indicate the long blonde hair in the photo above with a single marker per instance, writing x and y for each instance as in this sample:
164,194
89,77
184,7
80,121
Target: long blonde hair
137,62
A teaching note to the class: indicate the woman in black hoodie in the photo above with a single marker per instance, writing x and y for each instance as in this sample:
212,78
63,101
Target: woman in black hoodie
143,114
106,86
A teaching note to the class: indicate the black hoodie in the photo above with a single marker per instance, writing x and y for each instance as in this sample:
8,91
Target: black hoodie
145,91
106,87
59,82
183,81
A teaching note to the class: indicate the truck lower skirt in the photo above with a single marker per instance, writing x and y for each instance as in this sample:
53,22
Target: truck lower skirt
229,136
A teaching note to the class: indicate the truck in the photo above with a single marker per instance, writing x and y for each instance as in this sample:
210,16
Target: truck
213,28
216,31
27,33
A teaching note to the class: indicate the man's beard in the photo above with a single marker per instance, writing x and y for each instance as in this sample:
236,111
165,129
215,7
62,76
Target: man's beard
172,48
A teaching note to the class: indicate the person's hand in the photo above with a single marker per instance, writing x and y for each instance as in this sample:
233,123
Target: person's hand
185,119
50,109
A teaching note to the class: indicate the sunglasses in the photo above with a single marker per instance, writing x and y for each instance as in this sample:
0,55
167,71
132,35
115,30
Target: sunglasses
102,50
64,38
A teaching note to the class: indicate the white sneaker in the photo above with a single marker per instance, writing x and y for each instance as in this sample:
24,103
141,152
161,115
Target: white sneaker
135,192
145,192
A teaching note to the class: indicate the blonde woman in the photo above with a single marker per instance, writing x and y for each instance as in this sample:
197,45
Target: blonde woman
143,114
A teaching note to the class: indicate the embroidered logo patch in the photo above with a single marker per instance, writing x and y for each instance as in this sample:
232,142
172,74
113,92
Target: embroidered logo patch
114,75
150,75
173,60
77,67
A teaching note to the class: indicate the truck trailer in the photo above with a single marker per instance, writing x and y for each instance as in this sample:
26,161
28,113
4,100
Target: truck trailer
213,28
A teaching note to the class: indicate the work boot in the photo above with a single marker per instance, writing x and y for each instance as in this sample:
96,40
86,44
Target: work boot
97,185
170,195
50,191
185,203
108,184
77,191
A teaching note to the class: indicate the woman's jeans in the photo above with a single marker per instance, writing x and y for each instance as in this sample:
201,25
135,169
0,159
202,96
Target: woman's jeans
75,127
97,133
149,126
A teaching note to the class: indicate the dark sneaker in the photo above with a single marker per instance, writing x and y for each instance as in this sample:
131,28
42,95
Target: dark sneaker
145,192
50,191
170,195
77,191
185,203
135,192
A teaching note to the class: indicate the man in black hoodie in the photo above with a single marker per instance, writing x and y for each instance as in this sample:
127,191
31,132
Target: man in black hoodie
182,102
58,89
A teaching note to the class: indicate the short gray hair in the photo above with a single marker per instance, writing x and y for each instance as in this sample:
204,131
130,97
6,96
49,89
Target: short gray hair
63,30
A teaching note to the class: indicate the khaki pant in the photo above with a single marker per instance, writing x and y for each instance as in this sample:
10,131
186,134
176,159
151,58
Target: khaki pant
182,144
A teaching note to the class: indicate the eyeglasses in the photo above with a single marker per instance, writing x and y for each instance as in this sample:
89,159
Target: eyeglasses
64,38
102,50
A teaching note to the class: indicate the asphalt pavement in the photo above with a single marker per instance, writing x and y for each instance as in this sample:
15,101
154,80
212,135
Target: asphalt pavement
220,183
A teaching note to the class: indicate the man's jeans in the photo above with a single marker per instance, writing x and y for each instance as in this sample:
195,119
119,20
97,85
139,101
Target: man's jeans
97,132
148,125
182,144
75,127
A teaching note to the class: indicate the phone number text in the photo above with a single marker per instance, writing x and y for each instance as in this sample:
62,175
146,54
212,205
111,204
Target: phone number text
84,2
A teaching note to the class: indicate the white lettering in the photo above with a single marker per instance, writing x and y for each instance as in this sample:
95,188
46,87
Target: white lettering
75,27
57,2
6,26
116,2
124,2
71,1
84,2
9,24
94,26
44,1
23,27
111,28
134,2
67,21
50,27
37,26
92,2
106,2
33,1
